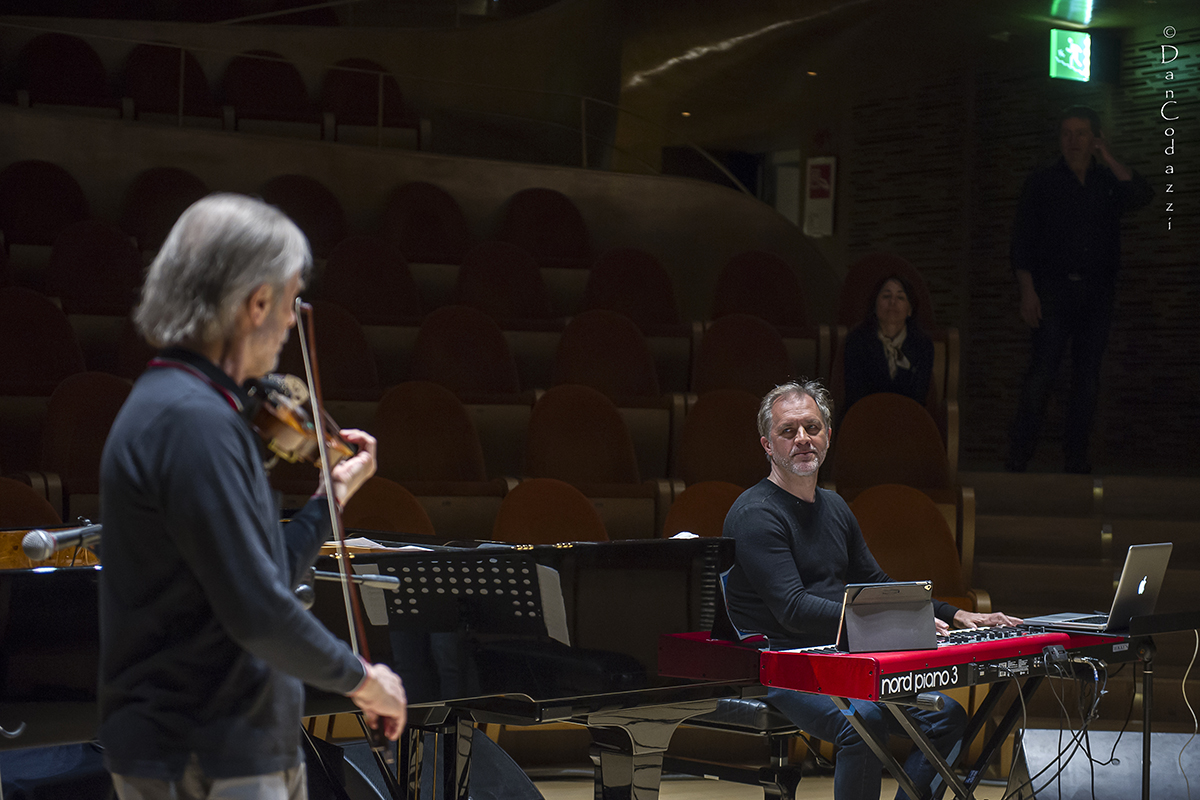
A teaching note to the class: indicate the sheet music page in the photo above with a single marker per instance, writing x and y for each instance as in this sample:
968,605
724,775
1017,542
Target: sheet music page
371,544
554,611
373,600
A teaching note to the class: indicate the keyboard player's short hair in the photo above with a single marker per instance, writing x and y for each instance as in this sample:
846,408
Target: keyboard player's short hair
812,388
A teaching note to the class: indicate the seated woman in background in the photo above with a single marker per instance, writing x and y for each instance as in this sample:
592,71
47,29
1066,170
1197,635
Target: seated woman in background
888,352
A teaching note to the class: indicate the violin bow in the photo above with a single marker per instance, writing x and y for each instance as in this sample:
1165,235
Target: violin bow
350,595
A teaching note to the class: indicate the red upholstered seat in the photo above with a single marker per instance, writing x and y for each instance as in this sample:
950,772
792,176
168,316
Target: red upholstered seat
312,206
37,200
427,224
154,201
547,225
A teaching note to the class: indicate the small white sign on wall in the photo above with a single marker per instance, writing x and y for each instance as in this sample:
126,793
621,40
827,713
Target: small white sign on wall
820,177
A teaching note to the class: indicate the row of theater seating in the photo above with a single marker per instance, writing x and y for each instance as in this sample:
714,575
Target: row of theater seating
258,91
433,444
903,527
94,269
460,348
38,199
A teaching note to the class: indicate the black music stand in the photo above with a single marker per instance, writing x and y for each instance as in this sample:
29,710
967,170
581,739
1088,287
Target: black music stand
497,590
507,591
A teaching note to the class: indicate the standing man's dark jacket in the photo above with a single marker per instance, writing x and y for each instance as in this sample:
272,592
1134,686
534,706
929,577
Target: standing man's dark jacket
1064,228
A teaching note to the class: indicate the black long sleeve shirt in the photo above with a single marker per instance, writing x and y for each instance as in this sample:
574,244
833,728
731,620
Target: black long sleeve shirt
792,563
865,367
1064,227
204,647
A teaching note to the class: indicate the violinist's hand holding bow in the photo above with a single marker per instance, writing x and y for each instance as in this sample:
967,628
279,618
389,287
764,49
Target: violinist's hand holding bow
382,699
351,473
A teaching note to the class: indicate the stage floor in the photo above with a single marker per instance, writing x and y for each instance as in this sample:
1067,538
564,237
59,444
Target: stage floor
811,788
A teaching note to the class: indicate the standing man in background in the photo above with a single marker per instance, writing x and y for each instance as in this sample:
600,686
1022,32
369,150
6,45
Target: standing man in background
204,647
1066,251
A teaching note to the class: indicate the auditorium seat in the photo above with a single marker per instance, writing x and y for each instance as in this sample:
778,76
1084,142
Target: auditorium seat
368,276
606,351
150,85
132,353
154,201
95,268
909,537
547,511
37,200
577,435
635,283
351,95
22,507
889,438
58,69
312,206
741,351
263,92
547,225
764,285
720,440
426,223
701,509
344,358
78,418
384,505
504,282
463,349
37,344
429,445
430,436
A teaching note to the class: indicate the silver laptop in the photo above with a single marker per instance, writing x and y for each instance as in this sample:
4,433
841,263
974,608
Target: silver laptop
1137,593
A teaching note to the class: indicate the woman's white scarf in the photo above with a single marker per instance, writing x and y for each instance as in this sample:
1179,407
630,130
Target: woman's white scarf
891,350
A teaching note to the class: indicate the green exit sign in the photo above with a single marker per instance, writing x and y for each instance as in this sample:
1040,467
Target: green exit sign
1070,55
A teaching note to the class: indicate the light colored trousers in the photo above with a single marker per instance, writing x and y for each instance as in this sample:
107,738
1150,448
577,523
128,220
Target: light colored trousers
195,785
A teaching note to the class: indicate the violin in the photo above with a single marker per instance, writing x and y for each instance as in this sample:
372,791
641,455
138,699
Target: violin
277,414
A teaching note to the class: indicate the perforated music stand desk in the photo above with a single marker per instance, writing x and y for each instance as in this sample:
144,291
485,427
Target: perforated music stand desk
448,589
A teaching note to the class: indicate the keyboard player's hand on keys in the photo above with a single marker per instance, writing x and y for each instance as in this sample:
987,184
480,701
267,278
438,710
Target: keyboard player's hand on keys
971,619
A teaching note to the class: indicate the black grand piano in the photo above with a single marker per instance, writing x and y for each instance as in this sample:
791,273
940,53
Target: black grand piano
485,633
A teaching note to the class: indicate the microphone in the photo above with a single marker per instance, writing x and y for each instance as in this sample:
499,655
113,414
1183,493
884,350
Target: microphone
39,545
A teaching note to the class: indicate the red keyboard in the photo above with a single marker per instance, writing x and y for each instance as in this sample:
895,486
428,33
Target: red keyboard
967,658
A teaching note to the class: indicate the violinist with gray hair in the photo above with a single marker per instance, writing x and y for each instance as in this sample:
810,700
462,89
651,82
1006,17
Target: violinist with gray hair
204,647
